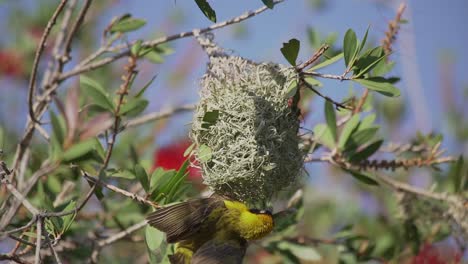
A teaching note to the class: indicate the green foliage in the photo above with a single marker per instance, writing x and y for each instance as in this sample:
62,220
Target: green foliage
331,119
127,24
328,62
269,3
350,47
206,9
97,92
290,50
76,139
379,84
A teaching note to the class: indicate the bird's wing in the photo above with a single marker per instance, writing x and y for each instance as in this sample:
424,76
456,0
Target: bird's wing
221,252
182,220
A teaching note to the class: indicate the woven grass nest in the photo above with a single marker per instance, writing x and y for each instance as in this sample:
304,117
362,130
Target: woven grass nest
245,132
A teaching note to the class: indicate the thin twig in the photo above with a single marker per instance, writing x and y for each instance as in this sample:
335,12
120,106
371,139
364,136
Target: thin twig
123,91
401,186
65,25
13,257
327,76
42,131
54,253
393,28
337,105
23,241
361,102
39,51
76,26
122,50
18,229
45,169
158,115
114,238
121,191
37,258
314,58
21,198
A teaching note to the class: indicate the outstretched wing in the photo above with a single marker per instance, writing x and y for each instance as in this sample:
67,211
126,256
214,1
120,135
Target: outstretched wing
221,252
182,220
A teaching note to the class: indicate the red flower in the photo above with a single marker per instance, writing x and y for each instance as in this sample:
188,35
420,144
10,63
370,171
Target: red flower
172,157
11,63
429,254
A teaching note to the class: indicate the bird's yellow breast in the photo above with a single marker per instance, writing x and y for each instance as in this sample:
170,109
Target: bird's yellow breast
248,225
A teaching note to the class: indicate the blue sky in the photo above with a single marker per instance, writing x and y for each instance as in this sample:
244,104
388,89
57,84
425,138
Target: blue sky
435,26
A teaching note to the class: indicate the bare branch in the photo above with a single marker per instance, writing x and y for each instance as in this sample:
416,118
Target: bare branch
40,49
121,191
37,258
122,50
314,58
13,257
158,115
114,238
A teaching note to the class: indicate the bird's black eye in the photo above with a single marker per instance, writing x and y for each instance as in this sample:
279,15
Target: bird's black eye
258,211
254,211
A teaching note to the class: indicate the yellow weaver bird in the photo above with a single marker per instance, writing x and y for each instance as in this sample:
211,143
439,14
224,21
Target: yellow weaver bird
210,230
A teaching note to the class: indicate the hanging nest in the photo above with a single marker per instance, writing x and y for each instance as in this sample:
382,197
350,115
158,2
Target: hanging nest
245,132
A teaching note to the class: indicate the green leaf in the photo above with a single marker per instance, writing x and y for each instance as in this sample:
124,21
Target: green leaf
366,152
189,150
363,177
153,237
290,50
68,219
350,47
458,175
269,3
380,85
306,253
327,62
124,174
127,24
79,150
159,179
206,9
330,116
324,135
142,91
58,127
210,118
154,57
155,244
96,92
363,41
135,49
292,89
369,60
177,181
134,107
155,54
204,153
312,81
367,121
383,67
142,177
314,37
348,129
362,137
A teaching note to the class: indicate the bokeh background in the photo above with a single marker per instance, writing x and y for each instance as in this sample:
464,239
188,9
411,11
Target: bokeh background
430,54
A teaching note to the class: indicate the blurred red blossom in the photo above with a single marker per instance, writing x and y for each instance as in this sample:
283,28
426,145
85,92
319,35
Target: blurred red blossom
11,63
430,254
171,156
